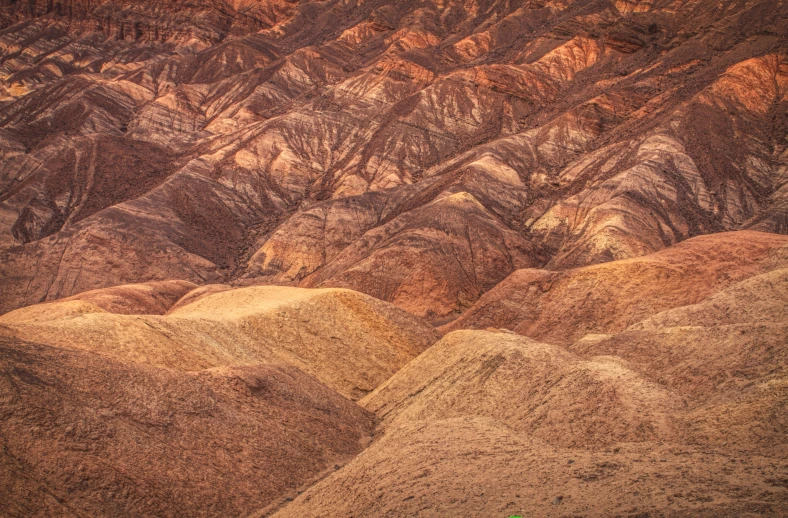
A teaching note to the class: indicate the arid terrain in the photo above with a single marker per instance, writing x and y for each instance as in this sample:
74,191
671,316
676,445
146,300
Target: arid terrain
375,258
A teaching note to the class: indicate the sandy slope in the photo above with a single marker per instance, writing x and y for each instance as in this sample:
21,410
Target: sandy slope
476,467
87,435
682,414
347,340
537,389
563,306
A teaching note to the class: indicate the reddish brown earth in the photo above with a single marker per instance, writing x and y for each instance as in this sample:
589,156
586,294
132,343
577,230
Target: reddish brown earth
377,258
562,306
416,151
85,435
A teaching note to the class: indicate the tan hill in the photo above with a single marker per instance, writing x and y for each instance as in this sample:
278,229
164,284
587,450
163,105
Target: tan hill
87,435
682,414
760,298
562,306
150,298
349,341
726,356
477,467
418,152
539,390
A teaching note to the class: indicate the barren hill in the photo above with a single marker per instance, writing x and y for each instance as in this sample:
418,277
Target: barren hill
477,467
683,414
86,435
417,151
349,341
393,258
539,390
562,306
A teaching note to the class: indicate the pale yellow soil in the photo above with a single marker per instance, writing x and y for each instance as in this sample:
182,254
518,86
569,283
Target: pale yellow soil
682,414
347,340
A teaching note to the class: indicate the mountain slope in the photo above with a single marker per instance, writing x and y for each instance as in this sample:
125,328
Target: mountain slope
318,142
682,414
561,307
85,435
393,258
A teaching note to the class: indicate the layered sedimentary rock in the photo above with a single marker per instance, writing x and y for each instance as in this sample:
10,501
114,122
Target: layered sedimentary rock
418,151
229,229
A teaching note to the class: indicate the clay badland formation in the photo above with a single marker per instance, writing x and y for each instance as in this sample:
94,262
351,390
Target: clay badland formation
375,258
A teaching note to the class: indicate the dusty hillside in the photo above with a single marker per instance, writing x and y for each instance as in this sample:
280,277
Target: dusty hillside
726,356
537,389
417,151
394,258
86,435
562,306
683,414
349,341
477,467
151,298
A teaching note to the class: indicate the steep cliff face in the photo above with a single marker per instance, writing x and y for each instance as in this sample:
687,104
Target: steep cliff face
417,151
